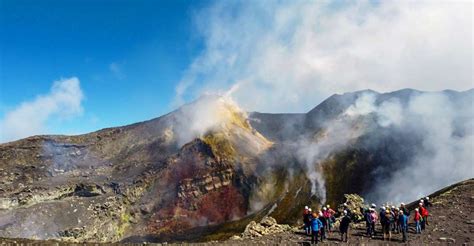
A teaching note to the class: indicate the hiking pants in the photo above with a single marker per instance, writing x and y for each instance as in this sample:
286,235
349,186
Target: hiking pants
345,235
404,233
372,227
369,230
322,233
314,237
307,228
418,226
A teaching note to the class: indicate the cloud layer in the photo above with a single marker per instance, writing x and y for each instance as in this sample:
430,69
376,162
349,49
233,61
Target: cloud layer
288,56
31,117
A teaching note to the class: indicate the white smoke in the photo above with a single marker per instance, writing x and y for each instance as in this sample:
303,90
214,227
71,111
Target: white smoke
287,56
335,135
446,157
208,113
31,117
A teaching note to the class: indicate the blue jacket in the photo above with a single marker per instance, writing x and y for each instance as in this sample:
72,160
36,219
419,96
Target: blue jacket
403,220
316,224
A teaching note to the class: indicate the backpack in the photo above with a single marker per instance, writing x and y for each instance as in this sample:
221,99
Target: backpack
373,217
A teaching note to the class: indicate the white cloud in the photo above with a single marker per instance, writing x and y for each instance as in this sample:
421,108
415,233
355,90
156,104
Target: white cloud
31,117
288,56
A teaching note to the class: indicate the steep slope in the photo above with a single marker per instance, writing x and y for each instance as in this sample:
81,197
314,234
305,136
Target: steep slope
118,182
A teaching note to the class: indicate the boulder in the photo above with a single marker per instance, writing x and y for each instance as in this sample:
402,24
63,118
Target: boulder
354,203
266,226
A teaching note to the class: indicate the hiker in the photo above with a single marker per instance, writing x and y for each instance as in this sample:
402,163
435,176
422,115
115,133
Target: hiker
309,217
323,220
397,220
382,216
315,228
368,221
344,226
427,204
404,209
424,215
392,219
417,219
330,217
373,217
385,221
403,220
307,220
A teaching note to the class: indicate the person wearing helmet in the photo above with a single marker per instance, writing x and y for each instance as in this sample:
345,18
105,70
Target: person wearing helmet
344,226
382,216
417,219
427,204
403,220
385,221
404,209
307,220
424,215
331,218
323,220
327,215
398,226
368,221
315,228
392,219
374,218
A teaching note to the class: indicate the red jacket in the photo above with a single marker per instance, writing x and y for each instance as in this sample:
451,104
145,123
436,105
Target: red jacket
424,212
417,216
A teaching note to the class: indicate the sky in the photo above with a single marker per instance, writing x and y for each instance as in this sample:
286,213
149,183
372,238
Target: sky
71,67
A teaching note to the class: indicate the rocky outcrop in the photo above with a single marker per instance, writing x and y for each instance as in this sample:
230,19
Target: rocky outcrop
354,203
190,189
266,226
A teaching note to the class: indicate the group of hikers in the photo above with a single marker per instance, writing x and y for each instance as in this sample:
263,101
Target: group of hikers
392,219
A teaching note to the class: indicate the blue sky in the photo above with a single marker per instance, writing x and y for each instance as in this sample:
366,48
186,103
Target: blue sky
128,55
75,66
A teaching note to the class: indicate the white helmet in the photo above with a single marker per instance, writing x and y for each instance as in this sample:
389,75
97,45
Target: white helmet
309,209
427,198
345,211
403,204
305,207
373,205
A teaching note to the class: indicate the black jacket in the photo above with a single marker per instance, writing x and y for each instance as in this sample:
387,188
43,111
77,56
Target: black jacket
345,221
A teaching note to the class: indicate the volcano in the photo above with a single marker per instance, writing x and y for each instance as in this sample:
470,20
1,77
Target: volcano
204,171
